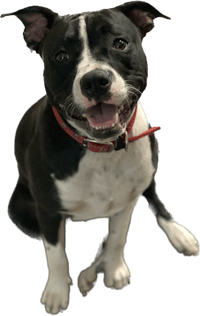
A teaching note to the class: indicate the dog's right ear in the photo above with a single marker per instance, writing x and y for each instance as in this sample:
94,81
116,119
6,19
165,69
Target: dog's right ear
37,21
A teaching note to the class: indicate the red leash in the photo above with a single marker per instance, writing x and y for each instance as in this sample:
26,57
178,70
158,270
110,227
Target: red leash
97,147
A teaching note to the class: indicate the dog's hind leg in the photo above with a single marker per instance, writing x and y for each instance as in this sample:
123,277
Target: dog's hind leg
22,211
181,239
111,261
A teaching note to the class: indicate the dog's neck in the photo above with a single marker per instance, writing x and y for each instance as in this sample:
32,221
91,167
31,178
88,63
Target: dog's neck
108,145
93,144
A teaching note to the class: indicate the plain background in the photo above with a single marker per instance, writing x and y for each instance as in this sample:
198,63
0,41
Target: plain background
163,282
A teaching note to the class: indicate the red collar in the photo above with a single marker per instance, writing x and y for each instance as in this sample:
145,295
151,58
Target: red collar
109,146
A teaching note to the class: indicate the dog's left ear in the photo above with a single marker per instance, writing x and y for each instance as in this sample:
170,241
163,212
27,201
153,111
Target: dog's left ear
141,14
37,21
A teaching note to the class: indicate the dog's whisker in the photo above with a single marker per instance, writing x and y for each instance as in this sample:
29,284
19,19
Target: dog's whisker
69,99
70,109
133,92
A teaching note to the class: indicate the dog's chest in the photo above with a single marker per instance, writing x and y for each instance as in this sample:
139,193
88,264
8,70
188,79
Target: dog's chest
106,183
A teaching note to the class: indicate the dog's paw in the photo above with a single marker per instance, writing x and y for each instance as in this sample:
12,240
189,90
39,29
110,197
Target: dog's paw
117,274
86,280
56,295
182,240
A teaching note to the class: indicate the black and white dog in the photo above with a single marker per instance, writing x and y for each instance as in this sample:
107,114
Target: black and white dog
86,150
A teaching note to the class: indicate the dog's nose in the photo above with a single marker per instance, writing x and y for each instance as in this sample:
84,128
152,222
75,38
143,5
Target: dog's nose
95,84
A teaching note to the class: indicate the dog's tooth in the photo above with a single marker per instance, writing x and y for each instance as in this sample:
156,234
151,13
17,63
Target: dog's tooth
106,126
121,108
116,118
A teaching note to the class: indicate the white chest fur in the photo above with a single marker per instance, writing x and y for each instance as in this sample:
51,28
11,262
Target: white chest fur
106,183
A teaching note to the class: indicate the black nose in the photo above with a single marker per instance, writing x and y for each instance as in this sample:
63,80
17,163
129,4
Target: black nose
96,84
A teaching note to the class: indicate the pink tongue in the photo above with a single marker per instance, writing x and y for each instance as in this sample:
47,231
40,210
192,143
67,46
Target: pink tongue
102,115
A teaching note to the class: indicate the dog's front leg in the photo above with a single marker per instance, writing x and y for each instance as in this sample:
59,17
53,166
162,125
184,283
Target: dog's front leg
56,293
111,261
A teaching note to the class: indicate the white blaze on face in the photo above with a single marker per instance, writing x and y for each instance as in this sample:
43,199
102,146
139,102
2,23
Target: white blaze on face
118,89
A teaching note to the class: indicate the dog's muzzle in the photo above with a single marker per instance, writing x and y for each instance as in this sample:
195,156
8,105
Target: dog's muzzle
102,112
102,103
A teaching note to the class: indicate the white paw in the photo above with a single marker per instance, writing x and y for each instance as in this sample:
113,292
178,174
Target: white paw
181,238
56,295
117,274
86,280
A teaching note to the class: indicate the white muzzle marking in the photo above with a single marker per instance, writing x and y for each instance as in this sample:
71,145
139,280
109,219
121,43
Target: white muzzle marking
118,89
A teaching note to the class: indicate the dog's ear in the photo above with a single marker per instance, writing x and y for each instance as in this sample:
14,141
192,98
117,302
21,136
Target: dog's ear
37,21
141,14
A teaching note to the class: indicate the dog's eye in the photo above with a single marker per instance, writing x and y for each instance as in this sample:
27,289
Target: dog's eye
62,57
120,44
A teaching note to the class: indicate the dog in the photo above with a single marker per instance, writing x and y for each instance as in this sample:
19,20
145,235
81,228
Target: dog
85,150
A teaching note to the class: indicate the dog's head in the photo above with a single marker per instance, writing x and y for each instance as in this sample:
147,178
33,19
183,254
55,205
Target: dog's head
94,66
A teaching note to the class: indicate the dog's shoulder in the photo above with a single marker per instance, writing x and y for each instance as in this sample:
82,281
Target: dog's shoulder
29,120
40,139
27,130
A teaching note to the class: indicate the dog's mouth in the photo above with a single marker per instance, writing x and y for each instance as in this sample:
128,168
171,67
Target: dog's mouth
103,117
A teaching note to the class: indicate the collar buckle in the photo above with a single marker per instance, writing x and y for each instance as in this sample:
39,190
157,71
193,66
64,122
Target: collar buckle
102,149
